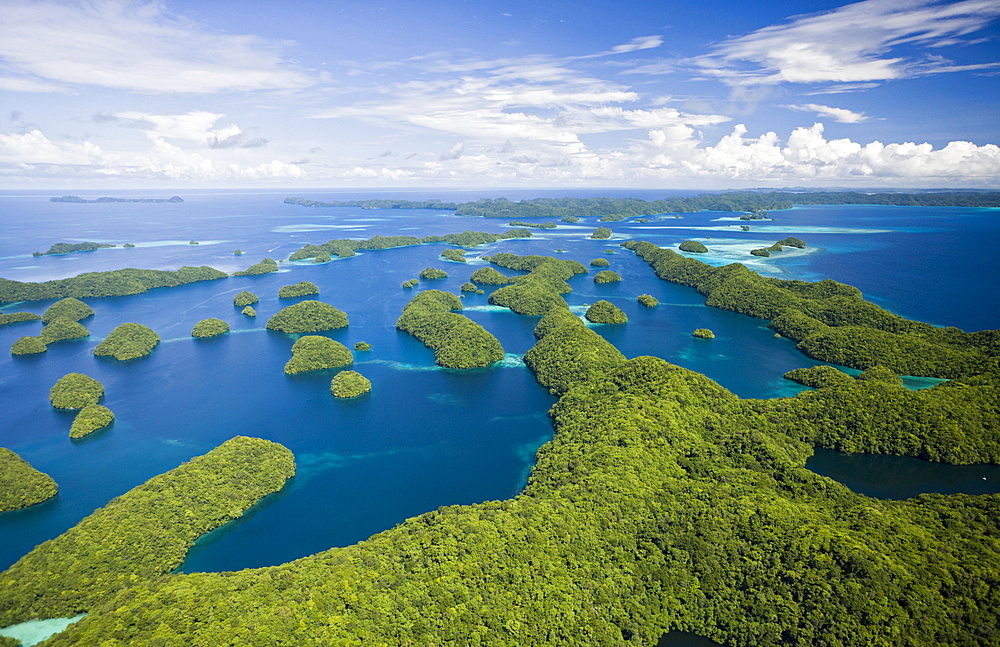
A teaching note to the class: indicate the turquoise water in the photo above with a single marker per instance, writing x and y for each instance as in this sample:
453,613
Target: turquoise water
33,632
425,436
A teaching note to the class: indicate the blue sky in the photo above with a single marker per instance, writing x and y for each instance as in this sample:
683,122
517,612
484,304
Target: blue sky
707,95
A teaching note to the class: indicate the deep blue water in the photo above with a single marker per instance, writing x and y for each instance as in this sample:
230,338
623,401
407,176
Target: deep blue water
425,437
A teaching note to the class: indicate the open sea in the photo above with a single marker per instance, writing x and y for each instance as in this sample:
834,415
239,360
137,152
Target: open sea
424,437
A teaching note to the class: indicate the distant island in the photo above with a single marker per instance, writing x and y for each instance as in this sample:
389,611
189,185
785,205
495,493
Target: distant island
69,248
75,198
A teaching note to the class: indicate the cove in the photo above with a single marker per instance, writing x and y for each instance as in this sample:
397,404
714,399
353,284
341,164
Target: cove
902,477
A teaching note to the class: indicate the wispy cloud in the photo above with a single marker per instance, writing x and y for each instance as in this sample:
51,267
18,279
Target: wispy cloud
133,45
851,44
840,115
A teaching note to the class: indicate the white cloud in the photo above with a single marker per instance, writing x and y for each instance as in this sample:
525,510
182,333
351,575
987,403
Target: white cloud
850,44
134,45
840,115
35,148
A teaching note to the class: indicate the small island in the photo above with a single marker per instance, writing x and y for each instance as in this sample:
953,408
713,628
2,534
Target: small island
648,300
209,328
128,341
249,311
69,248
489,276
62,329
692,246
69,308
75,391
362,346
264,267
468,287
77,199
703,333
21,485
542,225
28,346
315,352
607,276
457,341
601,233
300,289
17,317
599,262
433,273
307,316
457,255
605,312
412,283
245,298
349,384
91,418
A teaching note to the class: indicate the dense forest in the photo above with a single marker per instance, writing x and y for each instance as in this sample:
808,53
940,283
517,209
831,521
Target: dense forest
21,485
663,502
115,283
457,341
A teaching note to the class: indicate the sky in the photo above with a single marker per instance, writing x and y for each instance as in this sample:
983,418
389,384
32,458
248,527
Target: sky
712,94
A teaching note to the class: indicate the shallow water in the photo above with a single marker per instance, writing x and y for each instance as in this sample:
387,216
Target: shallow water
425,436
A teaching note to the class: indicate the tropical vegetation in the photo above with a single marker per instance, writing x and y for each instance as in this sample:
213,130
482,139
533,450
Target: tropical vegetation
315,352
68,308
21,485
245,298
605,312
265,266
75,391
209,328
115,283
457,341
91,418
307,316
128,341
300,289
349,384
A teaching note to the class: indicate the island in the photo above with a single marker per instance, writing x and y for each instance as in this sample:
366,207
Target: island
539,291
605,312
128,341
349,384
68,308
703,333
245,298
115,283
763,251
62,329
69,248
607,276
600,262
692,246
249,311
601,233
17,317
28,346
489,276
90,419
648,300
300,289
307,316
533,225
21,485
143,534
347,247
75,391
209,328
362,346
433,273
412,283
265,266
77,199
315,352
468,287
457,341
457,255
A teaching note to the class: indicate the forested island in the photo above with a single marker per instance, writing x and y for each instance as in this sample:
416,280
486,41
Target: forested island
69,248
457,341
21,485
77,199
346,247
114,283
376,204
315,353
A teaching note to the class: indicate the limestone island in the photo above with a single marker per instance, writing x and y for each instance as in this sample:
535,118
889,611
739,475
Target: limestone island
69,248
648,300
91,418
128,341
692,246
601,233
209,328
21,485
17,317
703,333
315,352
69,308
245,298
433,273
307,316
349,384
264,267
457,341
605,312
300,289
75,391
607,276
600,262
457,255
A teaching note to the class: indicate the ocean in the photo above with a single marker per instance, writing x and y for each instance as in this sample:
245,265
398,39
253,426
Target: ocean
425,436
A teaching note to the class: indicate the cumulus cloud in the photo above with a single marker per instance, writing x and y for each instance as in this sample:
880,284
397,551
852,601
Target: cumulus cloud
196,126
132,45
851,44
840,115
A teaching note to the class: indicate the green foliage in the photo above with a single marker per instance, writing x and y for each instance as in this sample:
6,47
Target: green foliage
322,258
468,287
300,289
68,308
456,255
412,283
60,329
362,346
237,252
607,276
249,311
17,317
830,321
210,327
489,276
21,485
28,346
375,204
349,384
457,341
128,341
245,298
128,245
69,248
605,312
193,242
600,262
75,391
648,300
433,273
142,534
307,316
601,233
538,292
91,418
760,252
568,353
703,333
819,377
315,352
534,225
692,246
570,219
345,247
115,283
265,266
